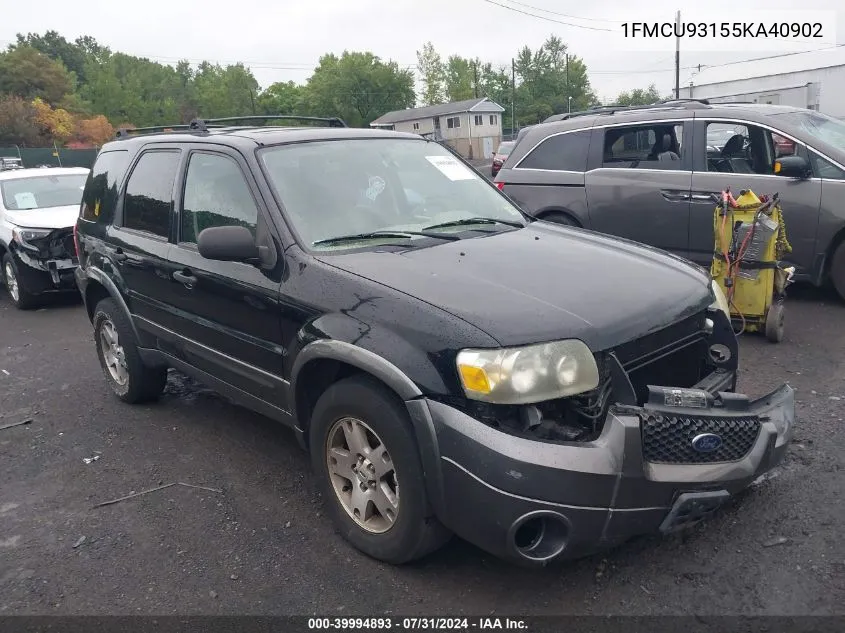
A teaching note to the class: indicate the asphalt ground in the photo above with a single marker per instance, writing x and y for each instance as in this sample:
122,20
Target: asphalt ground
255,539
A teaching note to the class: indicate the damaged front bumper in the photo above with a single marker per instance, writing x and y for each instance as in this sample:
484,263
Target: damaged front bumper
659,467
47,264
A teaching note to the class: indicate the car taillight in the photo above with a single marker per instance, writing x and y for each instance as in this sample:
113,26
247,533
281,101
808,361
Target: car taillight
500,185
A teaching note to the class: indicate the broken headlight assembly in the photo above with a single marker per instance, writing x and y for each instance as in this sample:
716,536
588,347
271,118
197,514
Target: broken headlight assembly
25,237
529,374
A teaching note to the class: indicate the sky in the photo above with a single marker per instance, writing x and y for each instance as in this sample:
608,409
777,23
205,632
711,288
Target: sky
282,40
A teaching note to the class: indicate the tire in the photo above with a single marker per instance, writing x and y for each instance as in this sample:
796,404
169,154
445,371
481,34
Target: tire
128,377
362,404
18,294
775,323
837,270
558,217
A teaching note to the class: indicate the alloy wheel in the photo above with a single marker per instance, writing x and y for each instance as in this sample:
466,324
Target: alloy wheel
362,475
113,354
12,282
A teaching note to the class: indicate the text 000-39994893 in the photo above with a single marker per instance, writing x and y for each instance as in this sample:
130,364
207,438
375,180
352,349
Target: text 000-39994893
774,30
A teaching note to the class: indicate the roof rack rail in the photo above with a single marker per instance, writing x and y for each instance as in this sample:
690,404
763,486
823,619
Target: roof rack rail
687,104
203,125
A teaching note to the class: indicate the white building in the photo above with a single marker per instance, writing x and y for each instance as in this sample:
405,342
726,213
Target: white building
472,127
814,80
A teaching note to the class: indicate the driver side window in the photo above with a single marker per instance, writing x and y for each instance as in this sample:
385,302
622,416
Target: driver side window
216,194
742,149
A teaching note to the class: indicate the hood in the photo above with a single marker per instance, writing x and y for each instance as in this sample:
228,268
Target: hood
49,218
544,282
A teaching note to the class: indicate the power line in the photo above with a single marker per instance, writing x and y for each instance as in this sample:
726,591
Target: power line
542,17
563,15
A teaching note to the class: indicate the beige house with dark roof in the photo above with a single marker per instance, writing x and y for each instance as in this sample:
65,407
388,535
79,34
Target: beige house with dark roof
472,127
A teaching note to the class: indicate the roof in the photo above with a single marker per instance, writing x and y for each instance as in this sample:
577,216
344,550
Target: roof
780,65
411,114
35,172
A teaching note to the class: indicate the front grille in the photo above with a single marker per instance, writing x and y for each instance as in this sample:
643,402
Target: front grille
645,349
668,439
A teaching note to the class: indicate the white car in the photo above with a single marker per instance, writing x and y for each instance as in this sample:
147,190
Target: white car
38,210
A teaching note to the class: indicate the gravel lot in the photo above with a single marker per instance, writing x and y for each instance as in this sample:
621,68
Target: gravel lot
259,542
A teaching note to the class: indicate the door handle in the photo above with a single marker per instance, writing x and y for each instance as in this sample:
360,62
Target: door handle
674,196
703,196
120,256
185,277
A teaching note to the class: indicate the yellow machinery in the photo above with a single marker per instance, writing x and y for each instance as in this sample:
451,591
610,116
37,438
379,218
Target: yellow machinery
750,237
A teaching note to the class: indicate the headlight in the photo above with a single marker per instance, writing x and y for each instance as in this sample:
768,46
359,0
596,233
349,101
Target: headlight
27,235
721,301
528,374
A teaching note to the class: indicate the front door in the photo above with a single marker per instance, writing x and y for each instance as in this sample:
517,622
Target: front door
228,312
638,183
746,161
488,147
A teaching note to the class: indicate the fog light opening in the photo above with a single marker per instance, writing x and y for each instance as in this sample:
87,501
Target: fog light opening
539,536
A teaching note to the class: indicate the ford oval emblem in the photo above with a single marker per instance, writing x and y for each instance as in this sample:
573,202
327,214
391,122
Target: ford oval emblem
706,442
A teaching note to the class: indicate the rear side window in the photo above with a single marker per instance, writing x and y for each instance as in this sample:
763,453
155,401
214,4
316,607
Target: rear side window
651,146
100,195
148,203
563,152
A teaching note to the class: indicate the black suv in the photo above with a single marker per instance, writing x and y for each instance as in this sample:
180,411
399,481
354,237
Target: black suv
648,173
451,365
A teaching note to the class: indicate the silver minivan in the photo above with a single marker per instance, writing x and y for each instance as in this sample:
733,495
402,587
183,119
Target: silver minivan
649,173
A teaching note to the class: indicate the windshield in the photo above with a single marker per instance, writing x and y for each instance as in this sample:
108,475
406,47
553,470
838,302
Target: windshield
817,125
41,192
505,148
337,188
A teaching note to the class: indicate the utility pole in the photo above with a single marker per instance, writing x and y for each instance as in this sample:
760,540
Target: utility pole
678,55
475,75
513,96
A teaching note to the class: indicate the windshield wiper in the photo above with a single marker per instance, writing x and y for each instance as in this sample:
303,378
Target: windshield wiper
468,221
372,235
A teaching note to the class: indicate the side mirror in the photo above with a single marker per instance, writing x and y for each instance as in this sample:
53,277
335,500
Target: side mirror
228,244
792,167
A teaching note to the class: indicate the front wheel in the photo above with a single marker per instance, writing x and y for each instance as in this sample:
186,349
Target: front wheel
364,453
18,293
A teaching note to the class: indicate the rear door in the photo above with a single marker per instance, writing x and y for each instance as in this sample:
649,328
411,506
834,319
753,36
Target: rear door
746,161
832,215
138,242
227,314
638,183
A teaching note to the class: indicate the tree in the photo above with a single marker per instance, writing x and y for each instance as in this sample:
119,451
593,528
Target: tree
57,48
17,122
282,98
28,73
462,78
94,131
225,91
56,124
359,87
638,96
430,67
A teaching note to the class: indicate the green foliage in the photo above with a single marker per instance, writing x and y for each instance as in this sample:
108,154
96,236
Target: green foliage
545,80
282,98
358,87
639,96
28,73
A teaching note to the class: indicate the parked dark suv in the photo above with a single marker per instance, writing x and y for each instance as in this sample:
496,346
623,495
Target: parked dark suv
648,174
451,365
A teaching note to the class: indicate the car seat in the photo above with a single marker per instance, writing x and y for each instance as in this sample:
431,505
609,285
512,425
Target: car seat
668,149
733,157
